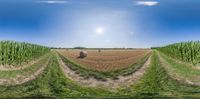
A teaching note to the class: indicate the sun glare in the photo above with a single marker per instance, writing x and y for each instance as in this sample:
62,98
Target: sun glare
99,30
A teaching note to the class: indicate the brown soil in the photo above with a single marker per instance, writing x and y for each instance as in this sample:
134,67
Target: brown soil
109,83
106,60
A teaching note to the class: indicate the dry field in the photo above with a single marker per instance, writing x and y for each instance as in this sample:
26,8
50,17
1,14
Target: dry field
106,60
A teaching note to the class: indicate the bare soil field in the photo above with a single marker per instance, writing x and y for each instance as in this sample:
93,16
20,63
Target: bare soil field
106,60
123,81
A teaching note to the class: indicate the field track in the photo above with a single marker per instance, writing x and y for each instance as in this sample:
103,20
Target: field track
173,75
20,79
109,83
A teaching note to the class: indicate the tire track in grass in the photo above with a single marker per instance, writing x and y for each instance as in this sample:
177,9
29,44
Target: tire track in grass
109,83
20,79
174,75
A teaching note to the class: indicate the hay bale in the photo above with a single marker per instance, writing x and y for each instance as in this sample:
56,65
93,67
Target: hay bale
83,54
99,50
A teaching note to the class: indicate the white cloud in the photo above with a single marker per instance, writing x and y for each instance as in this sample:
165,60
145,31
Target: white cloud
148,3
54,1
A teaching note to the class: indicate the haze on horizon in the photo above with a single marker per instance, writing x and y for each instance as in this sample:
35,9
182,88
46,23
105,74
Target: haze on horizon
100,23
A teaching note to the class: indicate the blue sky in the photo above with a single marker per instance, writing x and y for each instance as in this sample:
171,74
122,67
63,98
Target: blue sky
100,23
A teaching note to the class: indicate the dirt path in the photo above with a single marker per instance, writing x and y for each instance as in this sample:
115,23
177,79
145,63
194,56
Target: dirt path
12,68
109,84
174,75
20,79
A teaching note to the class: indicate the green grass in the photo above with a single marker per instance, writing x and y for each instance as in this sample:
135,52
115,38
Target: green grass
26,71
181,68
52,83
86,73
157,83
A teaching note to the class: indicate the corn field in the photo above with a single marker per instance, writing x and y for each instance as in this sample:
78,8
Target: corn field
15,53
184,51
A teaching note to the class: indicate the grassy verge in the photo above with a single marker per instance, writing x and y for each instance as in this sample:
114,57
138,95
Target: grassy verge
157,83
182,69
86,73
52,83
26,71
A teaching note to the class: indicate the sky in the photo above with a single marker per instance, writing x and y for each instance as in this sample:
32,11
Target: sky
100,23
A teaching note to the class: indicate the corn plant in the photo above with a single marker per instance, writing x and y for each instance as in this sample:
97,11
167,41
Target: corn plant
184,51
15,53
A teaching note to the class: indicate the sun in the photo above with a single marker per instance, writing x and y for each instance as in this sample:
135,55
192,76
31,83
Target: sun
99,30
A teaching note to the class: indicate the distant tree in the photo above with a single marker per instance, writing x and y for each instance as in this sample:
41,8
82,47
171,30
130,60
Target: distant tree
79,47
155,47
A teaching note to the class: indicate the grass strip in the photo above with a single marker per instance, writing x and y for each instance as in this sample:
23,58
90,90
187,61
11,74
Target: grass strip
86,73
156,83
26,71
52,83
181,68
